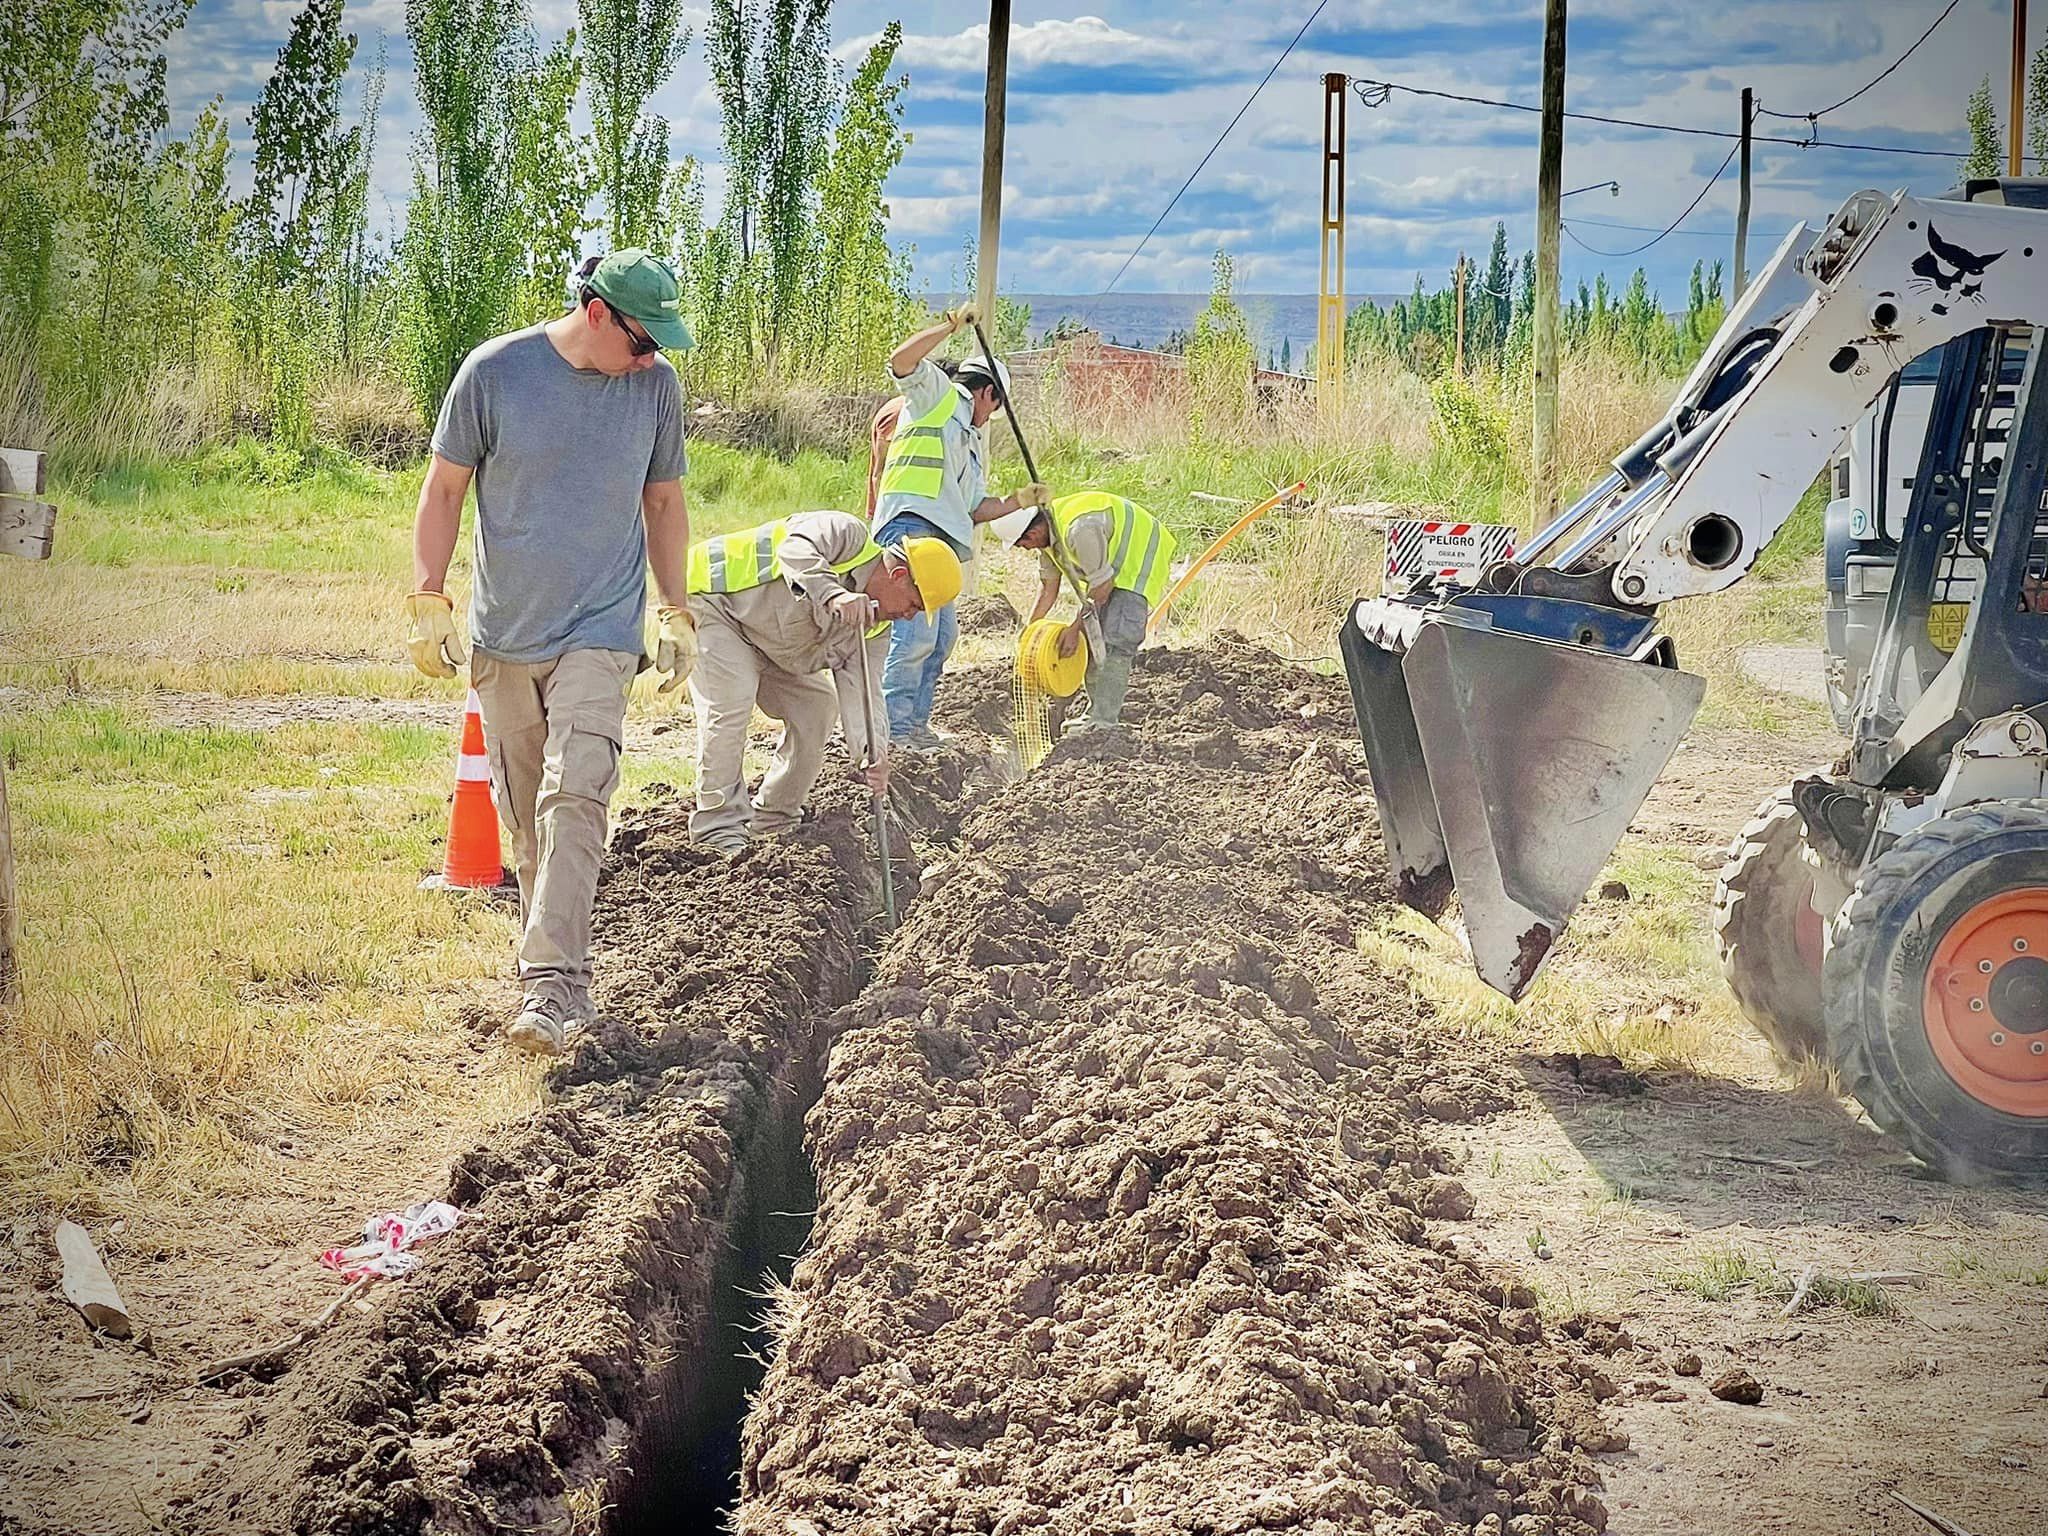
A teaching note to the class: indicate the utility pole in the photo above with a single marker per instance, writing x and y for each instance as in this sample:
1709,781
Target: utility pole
2019,84
1330,285
1549,220
1742,206
992,163
1461,314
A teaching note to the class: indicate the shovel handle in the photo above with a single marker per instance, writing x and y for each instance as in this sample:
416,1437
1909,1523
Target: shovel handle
1003,399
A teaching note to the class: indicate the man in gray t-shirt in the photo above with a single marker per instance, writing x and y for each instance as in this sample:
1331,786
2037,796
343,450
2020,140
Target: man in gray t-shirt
572,433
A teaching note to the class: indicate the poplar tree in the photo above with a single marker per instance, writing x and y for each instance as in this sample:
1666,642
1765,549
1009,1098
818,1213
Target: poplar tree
1985,157
299,158
631,47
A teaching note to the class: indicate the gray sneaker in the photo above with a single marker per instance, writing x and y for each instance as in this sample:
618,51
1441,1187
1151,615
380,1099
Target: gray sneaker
923,738
542,1028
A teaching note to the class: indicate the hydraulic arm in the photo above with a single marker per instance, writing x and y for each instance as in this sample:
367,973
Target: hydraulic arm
1514,729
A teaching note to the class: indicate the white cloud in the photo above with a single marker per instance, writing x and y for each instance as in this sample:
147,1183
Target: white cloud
1079,40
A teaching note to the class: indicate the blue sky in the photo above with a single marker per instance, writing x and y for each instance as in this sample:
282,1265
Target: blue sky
1113,101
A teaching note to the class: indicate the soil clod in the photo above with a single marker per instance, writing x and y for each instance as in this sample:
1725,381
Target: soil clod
1736,1385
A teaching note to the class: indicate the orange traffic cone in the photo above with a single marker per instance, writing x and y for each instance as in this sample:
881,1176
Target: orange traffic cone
473,859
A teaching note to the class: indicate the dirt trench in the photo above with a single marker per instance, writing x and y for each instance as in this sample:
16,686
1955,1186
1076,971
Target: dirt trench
573,1355
1127,1184
1127,1177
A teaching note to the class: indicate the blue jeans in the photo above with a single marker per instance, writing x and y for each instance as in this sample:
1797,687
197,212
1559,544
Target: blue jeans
918,647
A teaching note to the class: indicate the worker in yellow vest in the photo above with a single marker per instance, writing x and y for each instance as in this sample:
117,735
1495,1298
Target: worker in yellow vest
778,607
935,485
1118,557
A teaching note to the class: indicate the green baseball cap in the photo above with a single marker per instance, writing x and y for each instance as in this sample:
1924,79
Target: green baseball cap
641,286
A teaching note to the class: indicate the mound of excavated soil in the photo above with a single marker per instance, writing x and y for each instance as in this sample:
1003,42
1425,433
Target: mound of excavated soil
1125,1175
1126,1178
575,1314
990,615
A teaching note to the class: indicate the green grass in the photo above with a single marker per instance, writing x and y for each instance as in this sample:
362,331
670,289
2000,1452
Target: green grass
222,935
1717,1273
1859,1298
1798,540
203,512
1637,979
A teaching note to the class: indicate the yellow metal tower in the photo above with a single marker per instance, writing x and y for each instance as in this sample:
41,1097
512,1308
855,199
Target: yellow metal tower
1330,292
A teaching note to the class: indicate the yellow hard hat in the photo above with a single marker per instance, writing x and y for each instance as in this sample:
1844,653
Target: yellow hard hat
935,569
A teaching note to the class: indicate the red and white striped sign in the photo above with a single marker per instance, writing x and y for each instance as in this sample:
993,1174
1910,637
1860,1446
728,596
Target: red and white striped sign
1446,550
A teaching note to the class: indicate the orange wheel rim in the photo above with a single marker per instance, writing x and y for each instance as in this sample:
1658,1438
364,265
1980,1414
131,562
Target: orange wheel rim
1986,1005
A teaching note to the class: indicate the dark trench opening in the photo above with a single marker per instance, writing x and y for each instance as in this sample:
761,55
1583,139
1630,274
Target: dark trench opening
685,1462
682,1470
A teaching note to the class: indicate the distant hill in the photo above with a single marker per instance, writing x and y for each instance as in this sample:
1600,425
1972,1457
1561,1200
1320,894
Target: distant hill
1147,319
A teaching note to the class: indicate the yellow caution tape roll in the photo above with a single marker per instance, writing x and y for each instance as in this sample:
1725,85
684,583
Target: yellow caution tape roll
1040,663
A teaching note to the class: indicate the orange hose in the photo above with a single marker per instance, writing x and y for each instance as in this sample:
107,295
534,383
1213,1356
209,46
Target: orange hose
1210,553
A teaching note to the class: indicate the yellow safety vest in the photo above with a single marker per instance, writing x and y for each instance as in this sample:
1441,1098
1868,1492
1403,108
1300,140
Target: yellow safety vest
916,465
1140,547
740,562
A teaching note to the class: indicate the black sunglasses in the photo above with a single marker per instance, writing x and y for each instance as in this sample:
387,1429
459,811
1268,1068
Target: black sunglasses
641,343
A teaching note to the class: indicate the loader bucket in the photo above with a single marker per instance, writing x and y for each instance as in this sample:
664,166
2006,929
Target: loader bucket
1507,767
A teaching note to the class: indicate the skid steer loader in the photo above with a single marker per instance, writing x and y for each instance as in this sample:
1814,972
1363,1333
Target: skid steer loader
1890,917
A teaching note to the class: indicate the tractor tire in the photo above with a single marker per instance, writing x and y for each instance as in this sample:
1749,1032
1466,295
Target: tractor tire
1937,991
1768,936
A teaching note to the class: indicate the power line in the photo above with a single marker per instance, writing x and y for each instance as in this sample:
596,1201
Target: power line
1651,229
1120,271
1698,198
1815,117
1384,87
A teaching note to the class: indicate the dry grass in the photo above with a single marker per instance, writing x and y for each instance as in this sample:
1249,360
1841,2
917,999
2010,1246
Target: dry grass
1637,979
224,950
163,415
371,416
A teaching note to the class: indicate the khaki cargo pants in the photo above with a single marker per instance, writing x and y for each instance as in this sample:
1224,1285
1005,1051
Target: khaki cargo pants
730,682
554,731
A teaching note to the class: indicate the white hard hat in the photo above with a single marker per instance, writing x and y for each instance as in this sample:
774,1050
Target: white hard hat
1009,528
987,367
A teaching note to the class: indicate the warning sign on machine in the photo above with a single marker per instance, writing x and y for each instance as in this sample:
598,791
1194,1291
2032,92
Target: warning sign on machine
1448,551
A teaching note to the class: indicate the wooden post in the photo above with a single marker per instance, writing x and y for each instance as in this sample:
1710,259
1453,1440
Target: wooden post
1461,314
1330,283
1549,221
992,161
2019,85
1742,201
28,524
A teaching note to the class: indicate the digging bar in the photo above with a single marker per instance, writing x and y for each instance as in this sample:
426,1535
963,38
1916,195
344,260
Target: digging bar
1009,410
867,710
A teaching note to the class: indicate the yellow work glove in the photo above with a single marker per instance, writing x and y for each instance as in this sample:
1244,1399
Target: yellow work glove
675,651
961,316
1034,495
436,649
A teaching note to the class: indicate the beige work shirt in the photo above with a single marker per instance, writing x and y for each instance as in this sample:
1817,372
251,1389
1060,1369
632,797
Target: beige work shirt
789,621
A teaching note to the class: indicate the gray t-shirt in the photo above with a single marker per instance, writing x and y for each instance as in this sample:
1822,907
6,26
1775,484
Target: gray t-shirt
560,455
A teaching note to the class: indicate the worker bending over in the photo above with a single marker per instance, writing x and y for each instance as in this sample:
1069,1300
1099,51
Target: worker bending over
935,485
777,607
1117,555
